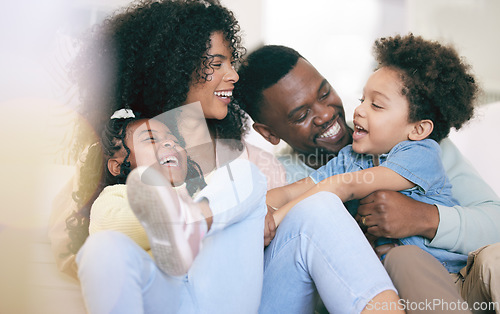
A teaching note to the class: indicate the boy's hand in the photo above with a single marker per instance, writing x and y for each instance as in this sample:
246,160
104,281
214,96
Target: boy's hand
269,226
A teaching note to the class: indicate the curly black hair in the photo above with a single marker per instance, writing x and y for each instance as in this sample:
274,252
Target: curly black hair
437,82
95,176
145,56
260,70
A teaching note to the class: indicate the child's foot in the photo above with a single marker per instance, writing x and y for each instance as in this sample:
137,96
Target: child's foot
163,214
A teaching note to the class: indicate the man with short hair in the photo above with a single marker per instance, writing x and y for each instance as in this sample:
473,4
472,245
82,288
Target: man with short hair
290,100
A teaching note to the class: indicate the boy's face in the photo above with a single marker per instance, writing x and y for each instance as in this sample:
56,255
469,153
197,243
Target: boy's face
304,110
152,144
381,120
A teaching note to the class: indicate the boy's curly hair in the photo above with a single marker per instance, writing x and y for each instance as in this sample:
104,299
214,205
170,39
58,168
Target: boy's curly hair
145,56
437,82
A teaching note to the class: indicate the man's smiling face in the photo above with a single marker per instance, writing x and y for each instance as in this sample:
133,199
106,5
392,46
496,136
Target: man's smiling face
304,110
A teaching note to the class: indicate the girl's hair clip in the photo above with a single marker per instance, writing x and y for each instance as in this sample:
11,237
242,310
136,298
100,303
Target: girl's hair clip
123,114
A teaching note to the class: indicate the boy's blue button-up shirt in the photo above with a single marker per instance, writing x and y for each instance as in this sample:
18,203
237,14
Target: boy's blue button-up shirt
420,163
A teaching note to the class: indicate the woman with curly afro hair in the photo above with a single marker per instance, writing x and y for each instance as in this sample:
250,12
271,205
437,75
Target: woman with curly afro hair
155,56
148,56
173,57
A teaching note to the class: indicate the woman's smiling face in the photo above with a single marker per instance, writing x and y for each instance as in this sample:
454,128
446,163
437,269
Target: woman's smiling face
216,91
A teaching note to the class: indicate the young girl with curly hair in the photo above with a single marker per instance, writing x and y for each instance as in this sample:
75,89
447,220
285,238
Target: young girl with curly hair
128,142
420,90
102,162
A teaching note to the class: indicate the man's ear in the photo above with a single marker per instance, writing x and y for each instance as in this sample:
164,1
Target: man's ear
421,130
266,132
114,165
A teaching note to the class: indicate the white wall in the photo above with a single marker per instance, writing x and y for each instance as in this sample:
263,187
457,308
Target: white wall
250,17
471,25
337,36
478,142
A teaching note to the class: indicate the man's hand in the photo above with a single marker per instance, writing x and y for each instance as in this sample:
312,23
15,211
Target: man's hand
391,214
269,226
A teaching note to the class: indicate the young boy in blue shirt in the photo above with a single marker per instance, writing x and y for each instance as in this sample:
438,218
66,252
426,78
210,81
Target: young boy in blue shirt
420,90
